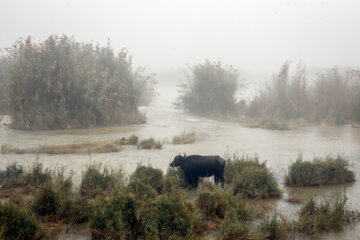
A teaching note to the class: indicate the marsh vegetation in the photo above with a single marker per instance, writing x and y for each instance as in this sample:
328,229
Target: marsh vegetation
151,205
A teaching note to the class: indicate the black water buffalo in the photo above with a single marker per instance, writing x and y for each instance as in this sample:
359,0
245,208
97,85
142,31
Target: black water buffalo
195,166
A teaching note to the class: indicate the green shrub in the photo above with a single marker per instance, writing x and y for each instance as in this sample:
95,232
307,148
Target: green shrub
174,179
62,83
17,224
149,144
12,176
115,218
215,202
170,217
149,176
250,177
319,172
232,228
274,227
38,175
46,202
329,214
141,190
256,183
16,176
75,210
97,180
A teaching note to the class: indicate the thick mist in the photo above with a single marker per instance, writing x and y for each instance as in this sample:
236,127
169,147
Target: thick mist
254,36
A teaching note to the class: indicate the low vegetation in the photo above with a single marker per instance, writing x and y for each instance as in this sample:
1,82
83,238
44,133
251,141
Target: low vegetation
85,147
16,176
184,138
156,206
17,224
319,172
328,214
149,144
97,179
250,178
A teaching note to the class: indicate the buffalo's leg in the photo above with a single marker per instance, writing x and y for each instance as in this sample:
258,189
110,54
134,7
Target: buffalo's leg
216,179
196,182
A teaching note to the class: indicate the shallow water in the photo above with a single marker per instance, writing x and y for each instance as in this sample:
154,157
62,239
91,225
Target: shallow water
278,148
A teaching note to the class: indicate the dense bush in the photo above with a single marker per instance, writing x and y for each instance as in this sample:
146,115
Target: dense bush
123,217
46,202
210,90
149,175
62,83
319,172
174,179
250,178
17,224
97,180
216,202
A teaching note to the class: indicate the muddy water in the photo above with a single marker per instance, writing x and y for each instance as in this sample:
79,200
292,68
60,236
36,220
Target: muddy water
278,148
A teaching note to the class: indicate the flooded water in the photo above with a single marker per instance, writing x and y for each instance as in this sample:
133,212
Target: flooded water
278,148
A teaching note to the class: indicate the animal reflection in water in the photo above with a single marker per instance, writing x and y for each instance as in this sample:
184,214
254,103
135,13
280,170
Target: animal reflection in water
195,166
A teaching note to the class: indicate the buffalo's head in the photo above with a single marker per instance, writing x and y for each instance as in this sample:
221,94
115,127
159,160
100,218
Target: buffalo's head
177,160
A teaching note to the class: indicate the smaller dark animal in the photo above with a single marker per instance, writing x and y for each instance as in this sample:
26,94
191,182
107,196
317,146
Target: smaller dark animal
195,166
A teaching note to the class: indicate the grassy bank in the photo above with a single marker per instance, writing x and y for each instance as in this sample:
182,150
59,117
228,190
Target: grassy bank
319,172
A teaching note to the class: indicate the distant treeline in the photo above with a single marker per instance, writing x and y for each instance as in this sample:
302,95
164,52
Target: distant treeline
334,97
62,83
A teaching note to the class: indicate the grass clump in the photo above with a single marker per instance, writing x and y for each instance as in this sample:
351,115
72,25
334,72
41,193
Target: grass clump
46,202
149,144
149,176
132,140
329,214
215,202
184,138
274,227
250,178
233,228
17,224
115,218
319,172
15,175
98,180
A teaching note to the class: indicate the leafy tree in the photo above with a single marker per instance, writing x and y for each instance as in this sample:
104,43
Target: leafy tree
210,89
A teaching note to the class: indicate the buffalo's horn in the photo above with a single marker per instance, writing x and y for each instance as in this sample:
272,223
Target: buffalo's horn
184,154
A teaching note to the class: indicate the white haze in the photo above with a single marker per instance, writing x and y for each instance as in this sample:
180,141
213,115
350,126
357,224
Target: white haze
254,36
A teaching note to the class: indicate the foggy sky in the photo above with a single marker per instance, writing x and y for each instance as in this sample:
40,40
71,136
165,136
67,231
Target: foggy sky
251,34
